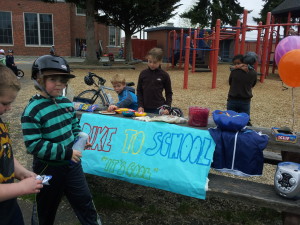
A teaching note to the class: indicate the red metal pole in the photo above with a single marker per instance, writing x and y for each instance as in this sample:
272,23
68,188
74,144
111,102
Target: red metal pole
237,37
257,50
186,62
265,49
244,27
212,53
194,51
270,47
217,43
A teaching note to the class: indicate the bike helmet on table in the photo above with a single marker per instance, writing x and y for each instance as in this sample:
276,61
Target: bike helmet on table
50,65
176,112
172,110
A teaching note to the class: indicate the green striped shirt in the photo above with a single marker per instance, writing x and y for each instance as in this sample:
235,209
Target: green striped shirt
49,128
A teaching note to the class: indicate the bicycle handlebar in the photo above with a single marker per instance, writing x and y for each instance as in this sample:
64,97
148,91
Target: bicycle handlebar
101,80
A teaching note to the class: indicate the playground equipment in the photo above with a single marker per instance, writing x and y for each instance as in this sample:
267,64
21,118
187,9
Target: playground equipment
267,39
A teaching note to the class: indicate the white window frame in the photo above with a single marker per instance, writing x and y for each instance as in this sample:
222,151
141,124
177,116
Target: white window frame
117,33
12,31
39,30
80,13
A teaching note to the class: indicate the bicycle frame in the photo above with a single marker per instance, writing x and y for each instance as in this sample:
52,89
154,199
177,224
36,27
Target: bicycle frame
101,90
91,96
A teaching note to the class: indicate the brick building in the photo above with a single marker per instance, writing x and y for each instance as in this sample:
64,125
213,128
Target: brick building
31,27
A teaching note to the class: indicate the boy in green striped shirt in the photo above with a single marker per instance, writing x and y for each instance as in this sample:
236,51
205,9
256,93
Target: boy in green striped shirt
50,127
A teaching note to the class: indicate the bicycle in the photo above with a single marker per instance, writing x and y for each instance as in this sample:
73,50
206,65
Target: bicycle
98,96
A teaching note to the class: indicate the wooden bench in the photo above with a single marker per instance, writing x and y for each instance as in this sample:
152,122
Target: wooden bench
251,192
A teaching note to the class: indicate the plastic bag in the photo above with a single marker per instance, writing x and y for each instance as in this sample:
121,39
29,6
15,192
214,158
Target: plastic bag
84,107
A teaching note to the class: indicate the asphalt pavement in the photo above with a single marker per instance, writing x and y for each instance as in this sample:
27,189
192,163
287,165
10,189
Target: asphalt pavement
25,62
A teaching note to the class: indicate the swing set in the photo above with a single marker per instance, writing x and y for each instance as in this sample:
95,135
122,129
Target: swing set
186,47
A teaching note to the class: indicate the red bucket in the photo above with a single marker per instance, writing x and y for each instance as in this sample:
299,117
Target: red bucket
198,116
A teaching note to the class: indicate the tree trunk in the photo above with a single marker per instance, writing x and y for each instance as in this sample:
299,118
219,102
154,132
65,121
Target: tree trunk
128,47
91,57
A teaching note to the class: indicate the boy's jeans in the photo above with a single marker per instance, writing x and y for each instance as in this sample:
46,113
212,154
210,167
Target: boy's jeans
68,180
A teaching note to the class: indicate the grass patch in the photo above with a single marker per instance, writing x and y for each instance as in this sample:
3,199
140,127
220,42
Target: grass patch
185,208
110,203
30,197
154,210
248,217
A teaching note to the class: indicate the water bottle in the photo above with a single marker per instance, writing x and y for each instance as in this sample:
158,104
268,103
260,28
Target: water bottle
81,141
110,99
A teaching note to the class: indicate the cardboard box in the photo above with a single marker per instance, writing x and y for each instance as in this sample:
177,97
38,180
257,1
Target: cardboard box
284,136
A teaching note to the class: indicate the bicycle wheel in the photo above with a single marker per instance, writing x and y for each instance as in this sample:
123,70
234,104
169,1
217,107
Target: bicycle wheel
91,97
20,73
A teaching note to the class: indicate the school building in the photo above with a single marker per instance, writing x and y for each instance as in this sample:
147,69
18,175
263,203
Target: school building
31,27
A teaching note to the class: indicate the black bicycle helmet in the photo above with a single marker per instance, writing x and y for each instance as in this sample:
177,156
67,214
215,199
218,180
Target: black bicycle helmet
172,110
49,62
88,80
250,58
10,51
176,112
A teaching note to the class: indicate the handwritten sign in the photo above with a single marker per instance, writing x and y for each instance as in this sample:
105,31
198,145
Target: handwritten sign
155,154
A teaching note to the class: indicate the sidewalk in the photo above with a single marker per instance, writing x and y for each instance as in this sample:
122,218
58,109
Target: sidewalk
78,63
70,59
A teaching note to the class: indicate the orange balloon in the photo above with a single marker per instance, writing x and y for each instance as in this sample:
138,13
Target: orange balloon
289,68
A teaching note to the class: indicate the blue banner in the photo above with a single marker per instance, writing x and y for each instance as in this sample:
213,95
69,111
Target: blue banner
156,154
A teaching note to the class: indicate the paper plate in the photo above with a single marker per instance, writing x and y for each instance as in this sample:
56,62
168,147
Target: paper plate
107,113
140,114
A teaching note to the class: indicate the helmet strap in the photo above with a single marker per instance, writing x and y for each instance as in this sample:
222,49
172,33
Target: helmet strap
43,89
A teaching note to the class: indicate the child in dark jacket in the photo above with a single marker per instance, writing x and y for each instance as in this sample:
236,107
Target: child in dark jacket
10,62
126,95
152,83
242,79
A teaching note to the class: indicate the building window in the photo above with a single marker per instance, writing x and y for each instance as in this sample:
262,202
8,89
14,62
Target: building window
38,29
118,36
5,28
114,36
80,11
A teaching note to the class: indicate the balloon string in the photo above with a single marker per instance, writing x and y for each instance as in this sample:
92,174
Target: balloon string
293,105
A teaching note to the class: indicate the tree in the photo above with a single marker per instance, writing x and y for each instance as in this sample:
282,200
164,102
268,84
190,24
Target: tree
133,16
89,5
206,12
267,7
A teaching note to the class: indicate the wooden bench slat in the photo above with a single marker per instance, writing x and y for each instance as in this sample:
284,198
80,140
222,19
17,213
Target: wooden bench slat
250,192
272,157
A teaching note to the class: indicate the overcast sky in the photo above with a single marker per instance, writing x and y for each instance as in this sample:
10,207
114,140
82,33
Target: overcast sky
254,5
